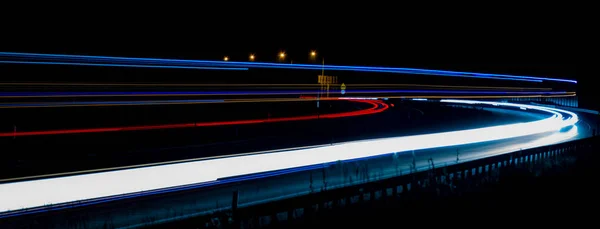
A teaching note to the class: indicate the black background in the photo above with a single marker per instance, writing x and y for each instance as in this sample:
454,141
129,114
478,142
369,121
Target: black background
522,41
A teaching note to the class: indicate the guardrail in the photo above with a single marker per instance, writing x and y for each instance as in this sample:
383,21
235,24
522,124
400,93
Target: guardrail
298,207
568,108
473,172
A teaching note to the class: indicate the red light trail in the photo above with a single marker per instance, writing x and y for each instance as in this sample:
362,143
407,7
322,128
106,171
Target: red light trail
376,107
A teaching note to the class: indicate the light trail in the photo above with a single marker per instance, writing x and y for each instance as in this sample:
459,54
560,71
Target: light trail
176,62
258,100
36,177
244,93
376,107
569,94
121,65
266,85
108,103
114,185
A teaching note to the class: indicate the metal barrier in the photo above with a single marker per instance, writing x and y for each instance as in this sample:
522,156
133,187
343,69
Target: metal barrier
233,214
482,170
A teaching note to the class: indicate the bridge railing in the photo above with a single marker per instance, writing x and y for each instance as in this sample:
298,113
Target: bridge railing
474,172
444,178
571,101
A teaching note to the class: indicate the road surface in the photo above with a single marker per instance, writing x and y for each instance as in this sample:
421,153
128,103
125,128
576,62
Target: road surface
492,141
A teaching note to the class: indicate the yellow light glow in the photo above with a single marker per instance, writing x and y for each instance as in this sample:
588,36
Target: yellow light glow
226,58
313,53
281,55
252,57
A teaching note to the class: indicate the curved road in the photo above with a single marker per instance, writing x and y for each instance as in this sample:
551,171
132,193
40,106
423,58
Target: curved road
442,148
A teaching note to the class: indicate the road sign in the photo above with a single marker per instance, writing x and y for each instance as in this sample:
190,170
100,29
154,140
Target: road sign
327,79
343,87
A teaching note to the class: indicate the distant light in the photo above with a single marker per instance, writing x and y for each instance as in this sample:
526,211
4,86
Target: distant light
357,98
226,58
281,55
313,53
419,99
252,57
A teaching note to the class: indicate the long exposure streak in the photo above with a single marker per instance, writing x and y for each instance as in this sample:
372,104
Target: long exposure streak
282,92
256,100
376,107
270,85
178,62
120,65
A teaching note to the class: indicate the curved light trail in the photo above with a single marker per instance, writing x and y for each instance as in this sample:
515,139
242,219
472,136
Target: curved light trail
120,184
376,107
121,65
281,92
178,62
358,85
255,100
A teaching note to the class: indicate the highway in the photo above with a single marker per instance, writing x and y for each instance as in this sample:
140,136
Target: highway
121,152
147,146
285,179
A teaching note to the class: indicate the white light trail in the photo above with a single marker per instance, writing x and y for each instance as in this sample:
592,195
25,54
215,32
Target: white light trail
28,194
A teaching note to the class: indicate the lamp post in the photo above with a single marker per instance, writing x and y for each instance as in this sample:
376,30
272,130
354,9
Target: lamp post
281,56
313,55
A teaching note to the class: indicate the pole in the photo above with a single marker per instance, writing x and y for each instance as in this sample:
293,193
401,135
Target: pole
323,73
457,155
234,207
321,88
234,200
323,68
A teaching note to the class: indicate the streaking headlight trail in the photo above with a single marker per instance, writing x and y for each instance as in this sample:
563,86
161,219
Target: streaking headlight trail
38,58
36,193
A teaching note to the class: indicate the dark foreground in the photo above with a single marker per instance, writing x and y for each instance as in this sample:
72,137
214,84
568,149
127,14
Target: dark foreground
557,192
560,198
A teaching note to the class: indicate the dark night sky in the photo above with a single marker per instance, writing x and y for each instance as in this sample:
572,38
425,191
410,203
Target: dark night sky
527,56
534,49
537,48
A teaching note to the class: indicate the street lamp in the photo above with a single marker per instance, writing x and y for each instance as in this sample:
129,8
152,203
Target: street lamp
281,56
226,58
312,56
252,57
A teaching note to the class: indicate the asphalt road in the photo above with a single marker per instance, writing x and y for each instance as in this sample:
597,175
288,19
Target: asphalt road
170,206
42,155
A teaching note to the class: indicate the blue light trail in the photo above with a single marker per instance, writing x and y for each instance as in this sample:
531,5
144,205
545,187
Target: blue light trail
276,65
119,65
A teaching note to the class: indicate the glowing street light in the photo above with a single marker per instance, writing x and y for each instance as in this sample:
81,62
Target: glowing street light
313,53
226,58
252,57
282,55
